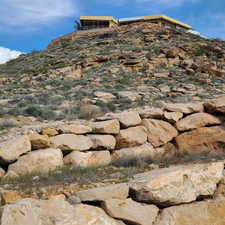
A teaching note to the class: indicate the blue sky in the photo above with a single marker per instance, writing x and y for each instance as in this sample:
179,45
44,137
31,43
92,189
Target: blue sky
27,25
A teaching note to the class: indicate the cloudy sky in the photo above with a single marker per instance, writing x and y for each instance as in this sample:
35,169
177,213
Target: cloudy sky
27,25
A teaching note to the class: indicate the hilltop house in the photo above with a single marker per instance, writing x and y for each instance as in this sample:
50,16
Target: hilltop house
96,22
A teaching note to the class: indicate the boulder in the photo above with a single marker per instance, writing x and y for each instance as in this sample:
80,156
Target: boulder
151,112
215,105
11,150
41,161
197,120
131,137
130,211
39,141
204,139
118,191
186,108
50,132
128,119
106,127
9,196
75,129
72,142
176,185
88,159
199,213
103,141
172,117
159,132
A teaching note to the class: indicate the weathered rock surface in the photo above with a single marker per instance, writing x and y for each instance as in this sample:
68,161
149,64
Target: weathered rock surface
106,127
88,159
130,137
128,119
176,185
50,132
187,108
39,141
72,142
199,213
103,141
41,161
172,117
152,113
131,211
159,132
197,120
11,150
76,129
215,105
204,139
118,191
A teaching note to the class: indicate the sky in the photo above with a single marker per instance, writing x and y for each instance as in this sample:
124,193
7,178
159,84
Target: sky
27,25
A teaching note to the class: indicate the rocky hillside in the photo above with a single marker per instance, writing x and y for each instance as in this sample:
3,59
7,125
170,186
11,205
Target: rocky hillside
82,75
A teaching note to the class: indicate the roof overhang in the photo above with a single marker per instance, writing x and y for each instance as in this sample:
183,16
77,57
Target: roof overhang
169,19
99,18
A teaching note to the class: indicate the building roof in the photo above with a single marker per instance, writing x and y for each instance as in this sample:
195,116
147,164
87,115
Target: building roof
100,18
131,19
167,18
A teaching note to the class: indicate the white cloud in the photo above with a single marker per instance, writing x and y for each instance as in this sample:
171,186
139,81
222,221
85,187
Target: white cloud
7,54
22,13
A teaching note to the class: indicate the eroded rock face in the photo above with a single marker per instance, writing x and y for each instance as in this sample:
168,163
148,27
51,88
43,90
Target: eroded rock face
106,127
131,211
130,137
176,185
204,139
215,105
41,161
72,142
199,213
197,120
159,132
118,191
103,141
11,150
88,159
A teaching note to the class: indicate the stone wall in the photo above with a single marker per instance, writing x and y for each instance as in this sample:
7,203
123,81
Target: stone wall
154,133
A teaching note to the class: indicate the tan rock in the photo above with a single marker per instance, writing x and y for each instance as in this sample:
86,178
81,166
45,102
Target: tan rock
152,113
166,151
187,108
176,185
71,142
41,161
215,105
50,132
197,120
39,141
199,213
2,172
103,141
76,129
88,159
131,211
106,127
11,150
131,95
128,119
173,52
118,191
172,117
58,197
9,196
204,139
131,137
159,132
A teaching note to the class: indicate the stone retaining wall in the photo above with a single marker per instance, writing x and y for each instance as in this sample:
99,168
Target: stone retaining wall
154,133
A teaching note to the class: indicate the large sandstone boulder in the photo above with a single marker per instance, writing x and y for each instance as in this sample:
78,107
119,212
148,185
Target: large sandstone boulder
75,129
11,150
128,119
186,108
106,127
215,105
197,120
159,132
176,185
39,141
41,161
204,139
88,159
53,212
131,137
118,191
103,141
151,112
131,211
72,142
198,213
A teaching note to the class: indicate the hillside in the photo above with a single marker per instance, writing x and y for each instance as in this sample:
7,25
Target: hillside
84,75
